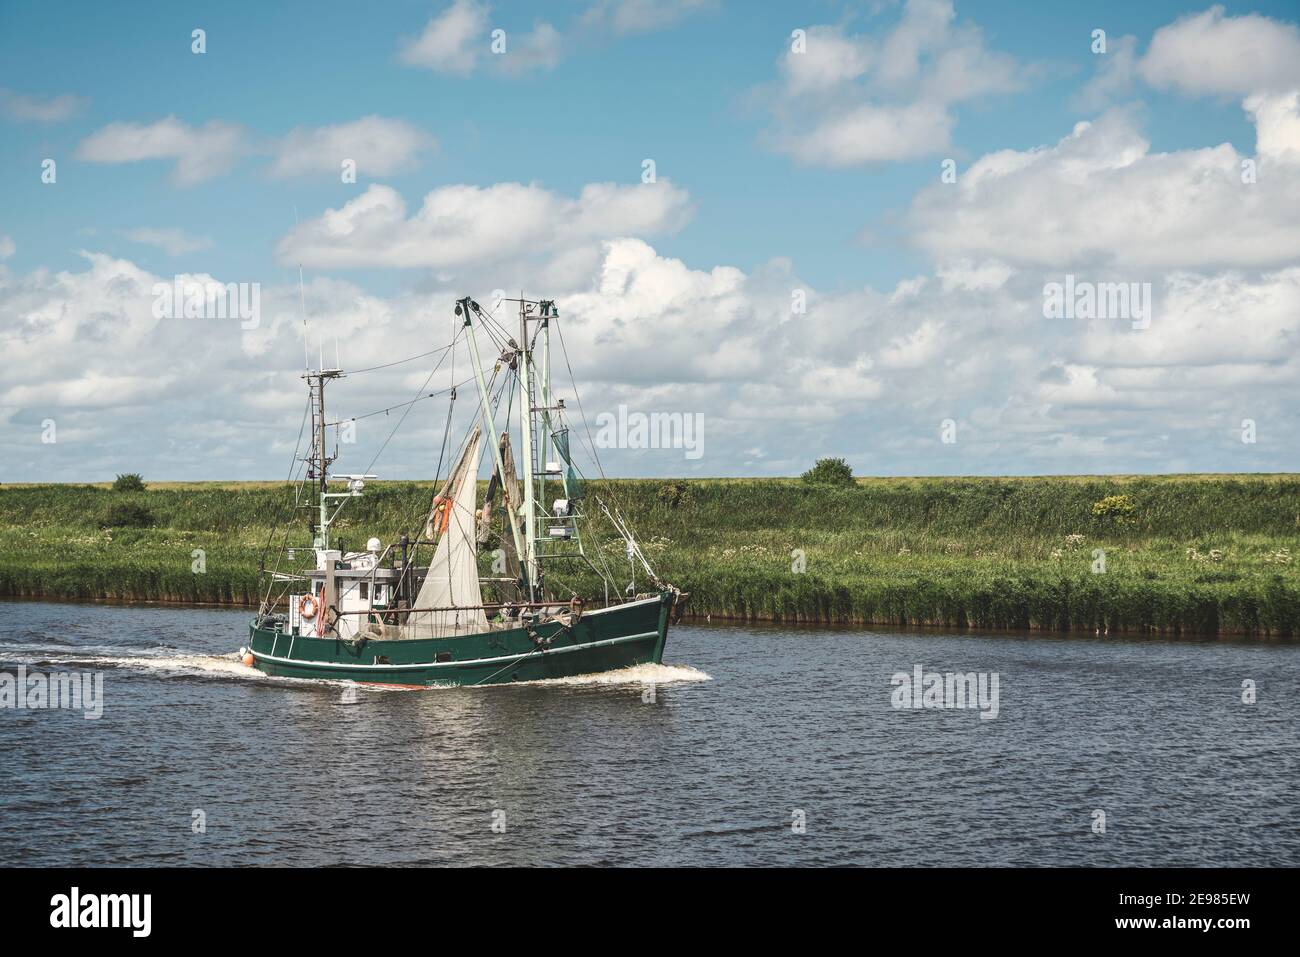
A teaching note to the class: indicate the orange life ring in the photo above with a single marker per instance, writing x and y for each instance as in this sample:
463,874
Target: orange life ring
307,607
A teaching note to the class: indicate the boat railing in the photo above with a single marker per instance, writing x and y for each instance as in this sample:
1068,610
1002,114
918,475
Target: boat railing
484,607
558,606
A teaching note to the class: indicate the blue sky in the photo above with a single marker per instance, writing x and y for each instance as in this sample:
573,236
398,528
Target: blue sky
701,89
681,95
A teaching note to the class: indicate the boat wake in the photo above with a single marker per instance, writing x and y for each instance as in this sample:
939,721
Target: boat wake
164,660
635,675
170,661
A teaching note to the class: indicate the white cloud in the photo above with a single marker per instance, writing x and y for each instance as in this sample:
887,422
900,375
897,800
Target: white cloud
458,226
866,373
863,373
7,247
192,397
97,390
200,152
830,60
378,146
1277,125
53,324
1030,394
540,49
848,99
1212,54
870,133
974,277
1100,197
1114,77
458,40
451,42
1203,321
914,350
54,109
174,242
623,17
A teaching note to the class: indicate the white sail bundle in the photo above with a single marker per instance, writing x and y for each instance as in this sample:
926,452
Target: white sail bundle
451,587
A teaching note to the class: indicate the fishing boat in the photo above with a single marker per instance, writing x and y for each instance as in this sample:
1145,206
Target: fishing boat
416,611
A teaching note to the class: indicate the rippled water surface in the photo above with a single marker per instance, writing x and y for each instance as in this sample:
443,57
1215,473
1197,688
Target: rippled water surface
702,761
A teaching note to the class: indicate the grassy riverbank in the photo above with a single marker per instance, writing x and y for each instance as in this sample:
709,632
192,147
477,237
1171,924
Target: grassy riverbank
1192,554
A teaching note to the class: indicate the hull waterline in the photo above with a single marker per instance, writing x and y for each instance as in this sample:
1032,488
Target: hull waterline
604,640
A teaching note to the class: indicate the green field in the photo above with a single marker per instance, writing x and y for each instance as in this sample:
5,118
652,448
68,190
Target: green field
1196,554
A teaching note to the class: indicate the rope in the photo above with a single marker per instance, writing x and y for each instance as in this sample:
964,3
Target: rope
294,465
402,405
511,665
427,380
398,362
591,447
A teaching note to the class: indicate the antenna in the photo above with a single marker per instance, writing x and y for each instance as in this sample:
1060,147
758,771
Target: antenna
302,301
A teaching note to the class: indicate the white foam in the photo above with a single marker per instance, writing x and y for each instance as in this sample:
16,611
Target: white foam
224,666
634,675
231,666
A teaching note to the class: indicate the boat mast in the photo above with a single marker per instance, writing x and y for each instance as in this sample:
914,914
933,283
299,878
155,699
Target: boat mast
548,406
526,428
545,454
323,466
319,461
463,308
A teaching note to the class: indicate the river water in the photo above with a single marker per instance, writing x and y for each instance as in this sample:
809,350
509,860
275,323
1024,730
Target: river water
755,746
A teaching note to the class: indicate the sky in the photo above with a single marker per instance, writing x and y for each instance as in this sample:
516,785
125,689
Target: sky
823,229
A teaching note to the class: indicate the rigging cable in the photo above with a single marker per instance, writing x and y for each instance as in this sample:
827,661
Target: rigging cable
446,434
495,402
494,323
607,576
619,526
404,415
294,465
397,362
401,405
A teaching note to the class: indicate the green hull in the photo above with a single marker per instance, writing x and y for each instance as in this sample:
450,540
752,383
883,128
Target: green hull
604,640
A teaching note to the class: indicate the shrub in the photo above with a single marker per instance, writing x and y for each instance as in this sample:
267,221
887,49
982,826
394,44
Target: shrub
674,494
830,472
127,515
1116,508
130,482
